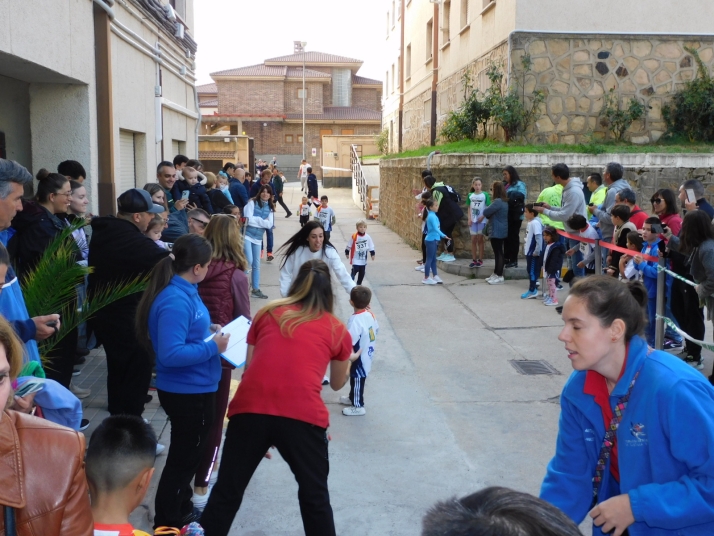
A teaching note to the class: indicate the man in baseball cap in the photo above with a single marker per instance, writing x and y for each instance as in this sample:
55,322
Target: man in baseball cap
121,252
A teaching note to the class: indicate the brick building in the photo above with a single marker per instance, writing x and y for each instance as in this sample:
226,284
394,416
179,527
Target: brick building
264,102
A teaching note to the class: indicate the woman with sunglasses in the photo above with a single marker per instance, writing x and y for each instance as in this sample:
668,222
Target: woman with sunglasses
664,206
259,216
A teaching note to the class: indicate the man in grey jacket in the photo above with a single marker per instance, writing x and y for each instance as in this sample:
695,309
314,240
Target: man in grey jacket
613,178
573,202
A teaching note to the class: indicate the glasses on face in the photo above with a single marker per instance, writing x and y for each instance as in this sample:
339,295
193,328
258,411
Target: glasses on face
64,194
657,201
200,222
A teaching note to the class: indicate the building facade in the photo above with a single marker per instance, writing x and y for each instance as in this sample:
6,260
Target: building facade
110,84
580,50
265,102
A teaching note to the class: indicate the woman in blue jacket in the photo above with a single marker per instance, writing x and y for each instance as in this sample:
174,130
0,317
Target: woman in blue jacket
432,230
656,471
259,213
173,321
517,192
497,214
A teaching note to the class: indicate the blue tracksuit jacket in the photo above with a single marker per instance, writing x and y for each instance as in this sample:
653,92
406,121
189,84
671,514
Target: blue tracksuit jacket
665,447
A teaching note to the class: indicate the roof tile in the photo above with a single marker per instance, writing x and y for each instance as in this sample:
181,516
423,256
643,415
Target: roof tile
208,103
278,71
341,113
215,155
364,81
207,88
312,57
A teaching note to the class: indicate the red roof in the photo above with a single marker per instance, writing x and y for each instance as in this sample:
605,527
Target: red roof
363,81
215,155
341,113
207,89
312,57
272,71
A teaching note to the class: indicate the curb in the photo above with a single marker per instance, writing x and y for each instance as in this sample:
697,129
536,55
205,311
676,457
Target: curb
462,269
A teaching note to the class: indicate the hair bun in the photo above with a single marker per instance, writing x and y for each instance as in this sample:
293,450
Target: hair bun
42,174
639,292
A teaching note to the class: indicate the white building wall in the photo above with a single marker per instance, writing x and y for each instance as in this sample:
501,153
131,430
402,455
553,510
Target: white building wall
14,115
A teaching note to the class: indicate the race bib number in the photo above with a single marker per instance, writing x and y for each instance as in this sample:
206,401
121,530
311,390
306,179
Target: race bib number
305,211
361,250
584,248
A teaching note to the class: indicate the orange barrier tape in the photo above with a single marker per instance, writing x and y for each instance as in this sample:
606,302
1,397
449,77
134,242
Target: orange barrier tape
607,245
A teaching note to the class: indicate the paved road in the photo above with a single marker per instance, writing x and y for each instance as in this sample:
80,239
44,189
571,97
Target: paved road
447,414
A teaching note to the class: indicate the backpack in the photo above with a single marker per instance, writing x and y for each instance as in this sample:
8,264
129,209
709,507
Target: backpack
516,205
448,190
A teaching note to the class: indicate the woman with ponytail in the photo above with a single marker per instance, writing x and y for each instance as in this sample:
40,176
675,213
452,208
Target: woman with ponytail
279,403
652,472
173,321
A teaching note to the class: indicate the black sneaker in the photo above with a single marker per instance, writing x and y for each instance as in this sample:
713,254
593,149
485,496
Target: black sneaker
288,214
669,344
512,265
559,286
76,372
83,425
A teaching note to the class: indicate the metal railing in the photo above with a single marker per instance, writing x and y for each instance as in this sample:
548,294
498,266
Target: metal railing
358,177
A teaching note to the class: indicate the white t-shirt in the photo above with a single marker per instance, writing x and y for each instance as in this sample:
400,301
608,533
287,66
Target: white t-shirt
587,249
305,210
326,217
363,328
477,206
363,245
303,170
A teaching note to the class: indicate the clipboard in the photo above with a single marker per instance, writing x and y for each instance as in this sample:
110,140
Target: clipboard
237,349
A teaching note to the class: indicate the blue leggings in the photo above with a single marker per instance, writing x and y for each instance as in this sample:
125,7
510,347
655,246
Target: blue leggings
430,265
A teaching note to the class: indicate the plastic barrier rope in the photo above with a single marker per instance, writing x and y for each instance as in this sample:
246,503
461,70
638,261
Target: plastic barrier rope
607,245
676,276
671,324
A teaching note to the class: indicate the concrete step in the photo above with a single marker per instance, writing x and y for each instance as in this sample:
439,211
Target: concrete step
461,267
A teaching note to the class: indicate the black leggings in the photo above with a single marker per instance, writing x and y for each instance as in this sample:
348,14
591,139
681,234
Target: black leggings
423,249
686,311
497,245
279,199
302,445
512,241
359,271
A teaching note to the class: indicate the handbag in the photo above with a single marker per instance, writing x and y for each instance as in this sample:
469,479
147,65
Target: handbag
9,514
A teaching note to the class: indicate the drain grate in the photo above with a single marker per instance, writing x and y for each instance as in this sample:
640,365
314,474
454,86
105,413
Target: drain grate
531,368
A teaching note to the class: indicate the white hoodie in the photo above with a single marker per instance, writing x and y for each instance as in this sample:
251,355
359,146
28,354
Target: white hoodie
303,254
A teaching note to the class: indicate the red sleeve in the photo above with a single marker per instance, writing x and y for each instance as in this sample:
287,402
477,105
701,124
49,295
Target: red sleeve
343,348
675,224
239,292
253,331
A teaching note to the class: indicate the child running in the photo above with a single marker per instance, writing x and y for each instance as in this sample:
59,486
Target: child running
433,237
363,328
477,201
326,216
552,263
304,211
533,248
119,465
648,270
356,251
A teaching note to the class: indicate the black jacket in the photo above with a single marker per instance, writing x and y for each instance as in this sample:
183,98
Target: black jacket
554,261
120,252
196,196
449,212
35,227
218,200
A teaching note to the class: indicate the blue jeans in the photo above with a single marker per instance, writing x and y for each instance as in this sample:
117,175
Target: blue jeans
533,265
576,258
430,265
252,253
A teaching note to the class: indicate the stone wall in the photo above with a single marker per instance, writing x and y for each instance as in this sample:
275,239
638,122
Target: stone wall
400,181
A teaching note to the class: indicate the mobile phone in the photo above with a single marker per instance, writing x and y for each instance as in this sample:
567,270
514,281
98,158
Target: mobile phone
185,194
690,196
657,228
538,204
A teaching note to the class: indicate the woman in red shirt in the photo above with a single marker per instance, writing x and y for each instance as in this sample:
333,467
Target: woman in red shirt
279,402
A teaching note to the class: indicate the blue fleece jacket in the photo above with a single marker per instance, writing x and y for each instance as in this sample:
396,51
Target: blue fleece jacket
649,268
665,447
432,228
178,324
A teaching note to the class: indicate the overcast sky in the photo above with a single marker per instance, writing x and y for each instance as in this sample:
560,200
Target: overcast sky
237,33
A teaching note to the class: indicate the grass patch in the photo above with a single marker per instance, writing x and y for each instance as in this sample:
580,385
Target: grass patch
374,157
492,146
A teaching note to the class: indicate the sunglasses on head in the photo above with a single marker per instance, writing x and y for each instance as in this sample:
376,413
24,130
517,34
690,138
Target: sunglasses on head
203,223
229,215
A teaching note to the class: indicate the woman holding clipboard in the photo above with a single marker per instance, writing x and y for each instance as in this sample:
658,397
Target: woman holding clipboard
279,402
173,320
224,291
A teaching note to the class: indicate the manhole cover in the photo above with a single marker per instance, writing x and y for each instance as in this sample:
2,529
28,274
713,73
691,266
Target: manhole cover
530,368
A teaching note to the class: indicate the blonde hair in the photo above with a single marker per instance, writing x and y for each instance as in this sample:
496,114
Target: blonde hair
223,233
211,180
156,221
361,222
188,171
13,352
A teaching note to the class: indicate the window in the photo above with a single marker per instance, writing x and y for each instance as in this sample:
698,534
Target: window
388,25
127,161
445,22
325,132
393,78
300,93
429,38
288,138
348,132
408,62
386,83
299,138
464,19
394,14
399,74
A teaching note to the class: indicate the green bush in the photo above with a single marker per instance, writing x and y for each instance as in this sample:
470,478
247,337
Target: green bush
619,120
382,140
691,110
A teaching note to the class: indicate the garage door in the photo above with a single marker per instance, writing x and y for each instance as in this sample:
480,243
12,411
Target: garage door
127,162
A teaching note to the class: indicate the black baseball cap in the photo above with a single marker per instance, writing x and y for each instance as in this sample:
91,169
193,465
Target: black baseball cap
136,200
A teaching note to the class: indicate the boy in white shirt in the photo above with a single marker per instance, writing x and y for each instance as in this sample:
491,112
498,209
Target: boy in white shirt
578,223
533,249
356,251
326,216
363,328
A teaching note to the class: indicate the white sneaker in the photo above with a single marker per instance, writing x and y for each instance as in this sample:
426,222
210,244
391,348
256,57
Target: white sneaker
353,411
441,257
428,281
438,280
490,278
448,258
420,268
160,448
345,401
79,392
496,281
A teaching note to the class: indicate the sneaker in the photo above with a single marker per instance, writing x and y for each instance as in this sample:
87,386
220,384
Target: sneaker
550,302
83,425
428,281
682,355
441,257
528,294
79,392
438,280
345,401
448,258
256,293
270,257
420,268
497,281
200,501
353,411
76,372
160,448
670,344
490,278
558,287
479,263
325,380
288,214
473,264
512,265
692,362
